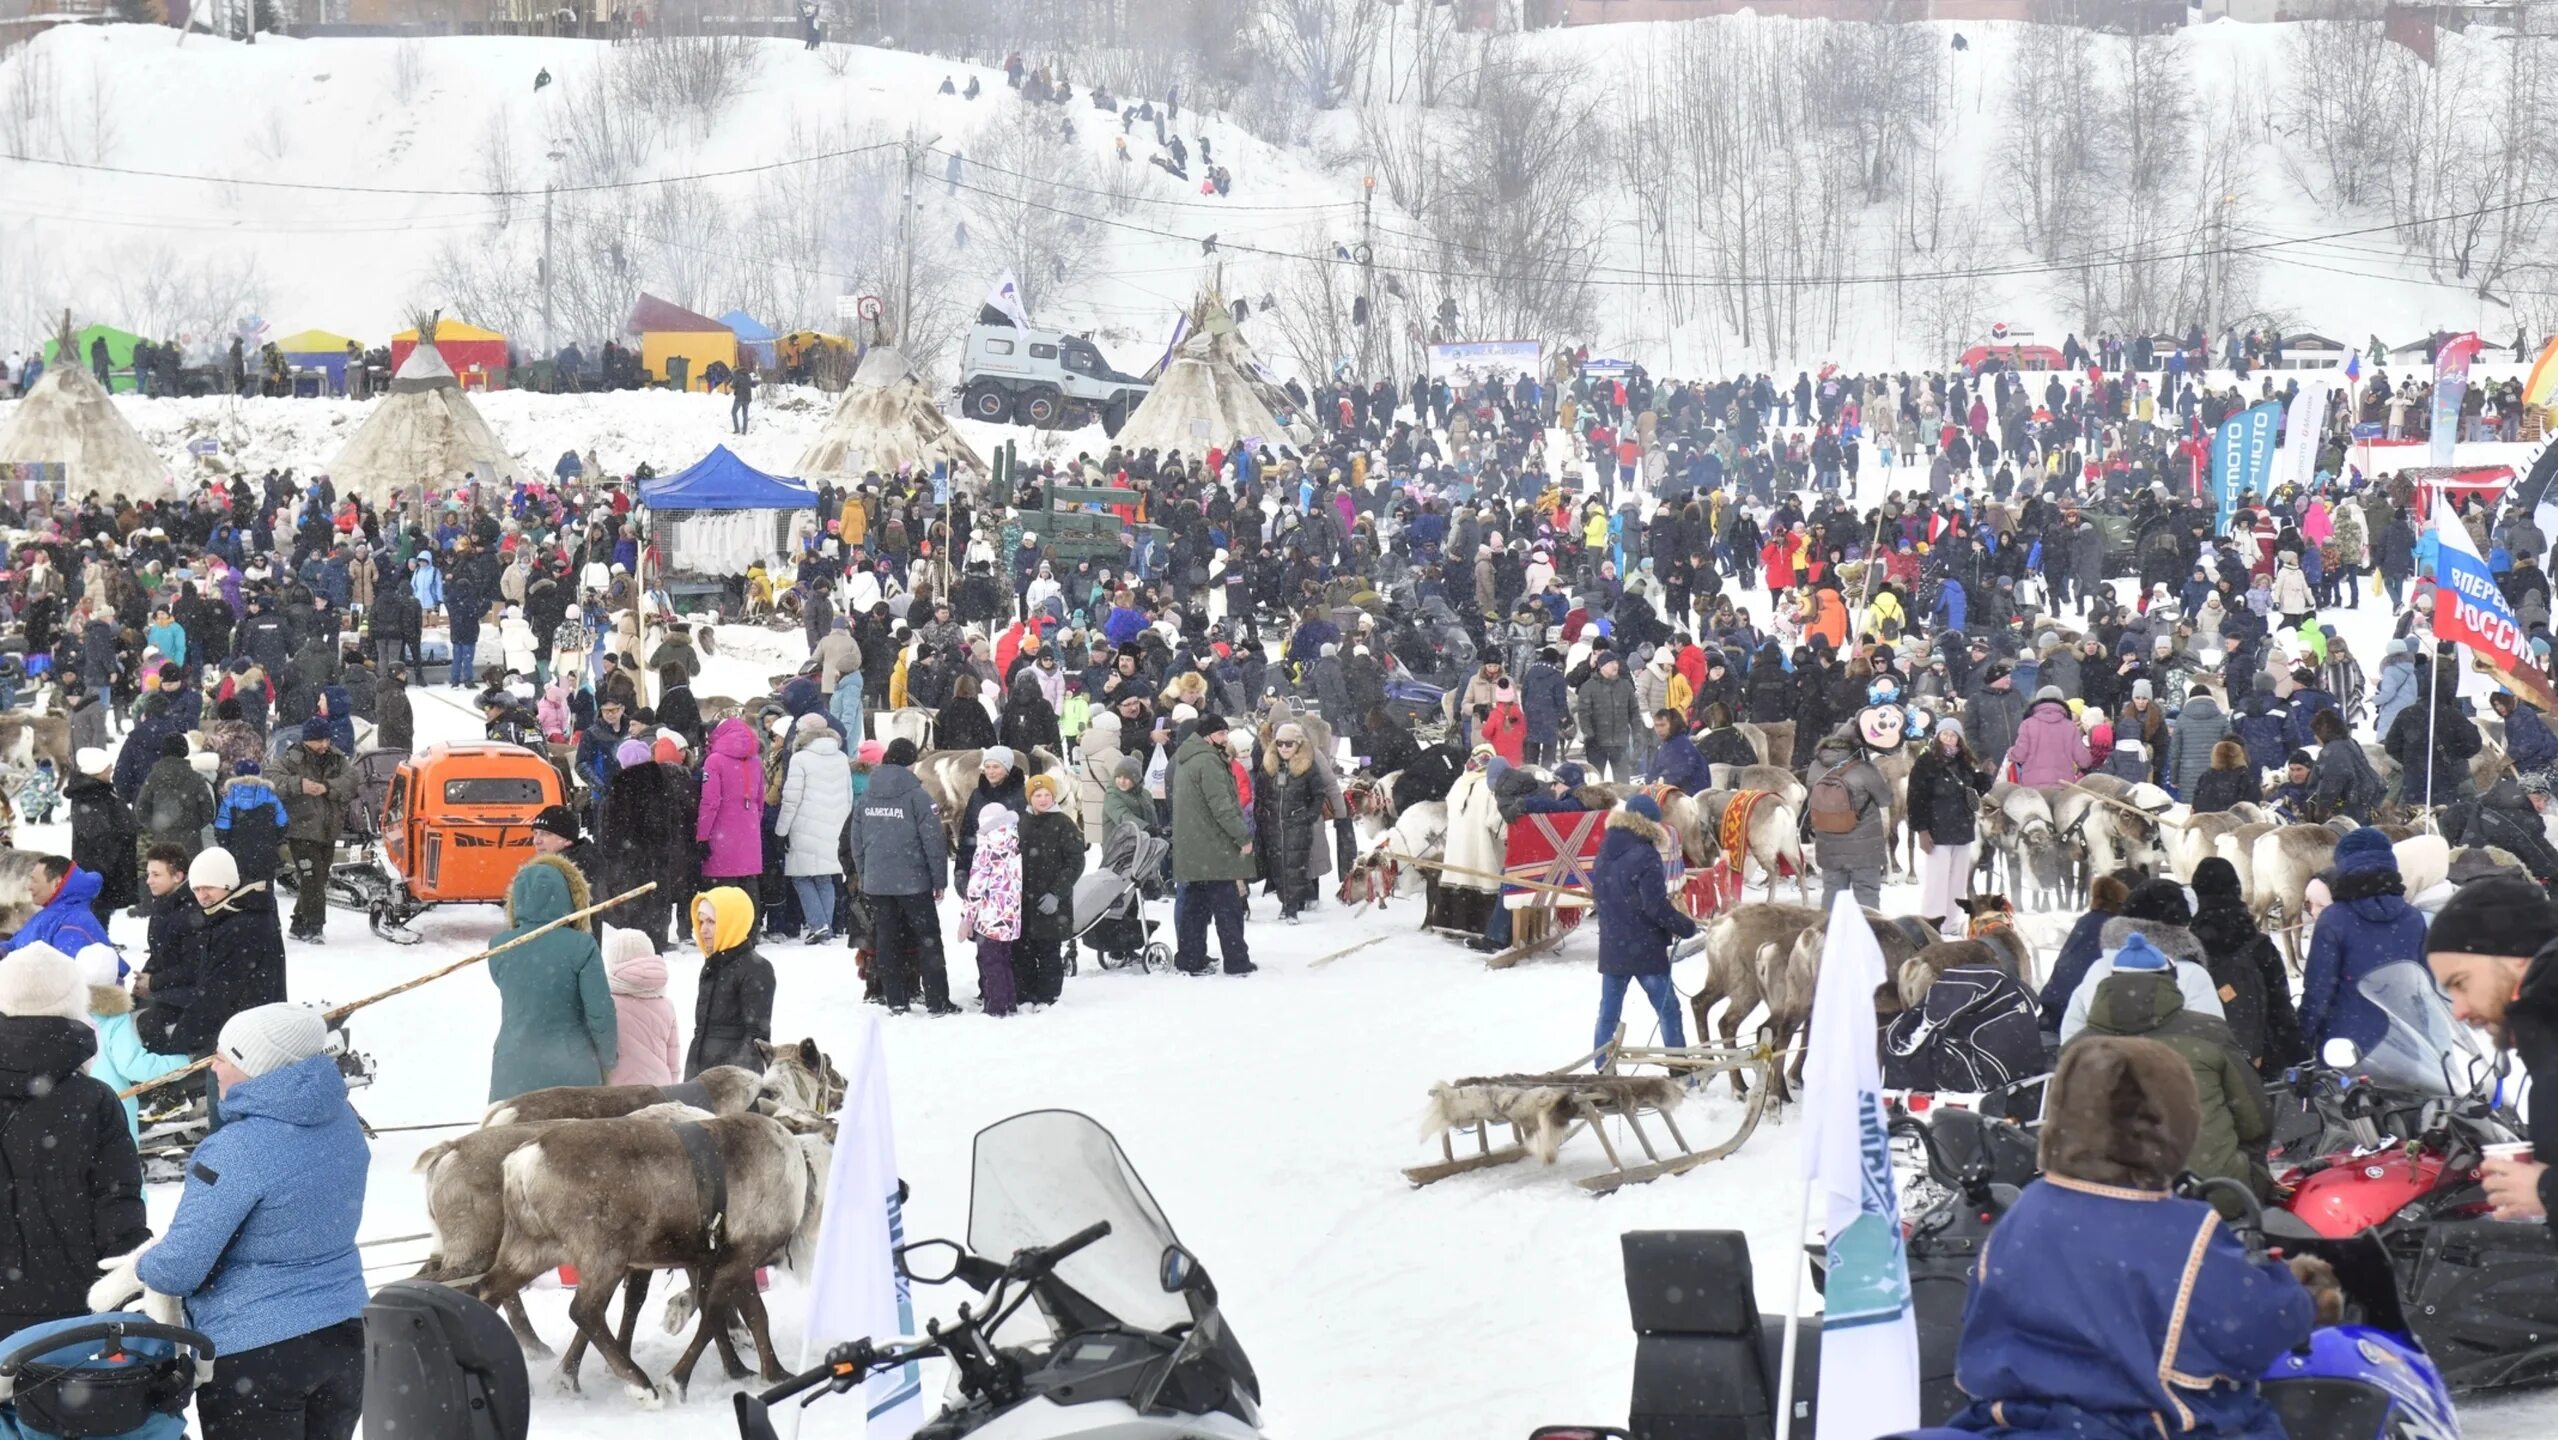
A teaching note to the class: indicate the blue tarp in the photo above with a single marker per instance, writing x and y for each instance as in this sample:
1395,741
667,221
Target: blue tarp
721,481
754,338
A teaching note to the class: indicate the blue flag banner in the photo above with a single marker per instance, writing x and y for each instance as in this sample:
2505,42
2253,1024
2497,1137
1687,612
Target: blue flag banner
2243,456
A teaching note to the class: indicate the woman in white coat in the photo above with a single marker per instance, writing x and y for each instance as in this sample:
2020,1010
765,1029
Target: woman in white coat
515,637
1478,841
817,801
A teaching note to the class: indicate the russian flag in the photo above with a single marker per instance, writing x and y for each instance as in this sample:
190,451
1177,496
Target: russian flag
2354,367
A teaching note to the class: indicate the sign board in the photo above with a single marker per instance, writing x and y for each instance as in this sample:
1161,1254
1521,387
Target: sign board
25,482
1472,360
941,483
848,307
205,446
2371,430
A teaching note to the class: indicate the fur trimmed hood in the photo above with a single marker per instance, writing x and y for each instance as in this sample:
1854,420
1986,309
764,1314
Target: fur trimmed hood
2121,1111
1653,835
110,1000
2176,941
536,894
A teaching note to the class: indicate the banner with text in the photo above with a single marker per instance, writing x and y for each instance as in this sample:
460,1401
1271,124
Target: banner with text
1472,360
2451,381
2243,457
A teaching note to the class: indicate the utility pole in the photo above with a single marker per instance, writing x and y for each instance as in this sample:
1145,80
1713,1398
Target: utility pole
550,343
1367,271
906,236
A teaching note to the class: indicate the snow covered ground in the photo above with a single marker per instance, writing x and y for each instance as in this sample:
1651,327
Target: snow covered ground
1271,1116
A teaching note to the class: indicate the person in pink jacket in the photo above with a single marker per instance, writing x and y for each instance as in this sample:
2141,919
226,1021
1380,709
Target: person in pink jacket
731,818
2049,749
652,1050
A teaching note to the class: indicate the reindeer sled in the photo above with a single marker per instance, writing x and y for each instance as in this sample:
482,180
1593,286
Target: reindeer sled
1632,1086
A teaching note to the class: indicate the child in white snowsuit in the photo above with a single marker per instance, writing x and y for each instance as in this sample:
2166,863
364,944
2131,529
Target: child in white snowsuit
992,910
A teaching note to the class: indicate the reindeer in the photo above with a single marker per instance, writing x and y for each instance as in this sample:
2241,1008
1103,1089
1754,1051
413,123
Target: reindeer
2019,831
26,737
2198,838
1736,946
1774,838
1762,777
2287,858
1787,981
652,1215
796,1077
1420,832
890,726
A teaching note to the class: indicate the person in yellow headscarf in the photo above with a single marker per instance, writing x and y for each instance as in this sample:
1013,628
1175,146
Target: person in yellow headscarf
733,1009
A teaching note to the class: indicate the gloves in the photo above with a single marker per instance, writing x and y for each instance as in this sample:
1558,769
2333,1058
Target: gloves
121,1288
1047,904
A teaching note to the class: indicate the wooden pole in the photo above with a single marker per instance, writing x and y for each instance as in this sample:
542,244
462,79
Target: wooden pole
342,1011
1445,868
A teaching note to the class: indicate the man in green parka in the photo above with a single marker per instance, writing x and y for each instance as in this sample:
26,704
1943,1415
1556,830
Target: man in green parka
1211,851
555,1019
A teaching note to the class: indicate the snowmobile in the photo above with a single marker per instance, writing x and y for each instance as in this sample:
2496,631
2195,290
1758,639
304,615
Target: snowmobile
1707,1360
1126,1339
2403,1172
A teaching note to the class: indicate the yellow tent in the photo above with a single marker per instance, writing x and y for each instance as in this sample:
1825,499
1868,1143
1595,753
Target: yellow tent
668,332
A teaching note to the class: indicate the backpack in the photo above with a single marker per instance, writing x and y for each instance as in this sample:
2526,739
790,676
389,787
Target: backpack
1833,805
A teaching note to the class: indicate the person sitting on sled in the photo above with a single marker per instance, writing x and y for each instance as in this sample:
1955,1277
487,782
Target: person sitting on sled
2160,1330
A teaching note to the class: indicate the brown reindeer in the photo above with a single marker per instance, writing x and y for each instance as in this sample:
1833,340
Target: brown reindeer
796,1078
560,1208
1787,981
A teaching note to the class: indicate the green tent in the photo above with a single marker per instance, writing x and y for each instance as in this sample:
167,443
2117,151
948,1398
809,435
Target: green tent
119,355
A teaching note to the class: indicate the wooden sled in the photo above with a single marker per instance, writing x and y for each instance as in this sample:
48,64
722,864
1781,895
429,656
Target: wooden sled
1543,1111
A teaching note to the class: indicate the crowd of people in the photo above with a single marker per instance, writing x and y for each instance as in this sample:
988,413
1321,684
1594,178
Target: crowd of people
1517,595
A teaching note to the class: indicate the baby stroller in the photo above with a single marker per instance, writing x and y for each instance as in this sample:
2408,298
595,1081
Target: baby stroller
118,1375
1110,903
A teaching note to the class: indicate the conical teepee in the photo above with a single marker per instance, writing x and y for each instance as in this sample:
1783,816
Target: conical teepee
1212,393
426,432
886,422
68,419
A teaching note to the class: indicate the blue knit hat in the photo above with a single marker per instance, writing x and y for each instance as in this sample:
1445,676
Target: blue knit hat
2138,954
2365,849
1645,806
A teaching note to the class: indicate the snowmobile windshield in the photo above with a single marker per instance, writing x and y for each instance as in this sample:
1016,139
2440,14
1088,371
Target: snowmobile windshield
1042,1176
2418,1054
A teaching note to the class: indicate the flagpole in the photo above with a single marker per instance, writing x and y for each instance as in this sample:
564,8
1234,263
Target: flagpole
1787,1355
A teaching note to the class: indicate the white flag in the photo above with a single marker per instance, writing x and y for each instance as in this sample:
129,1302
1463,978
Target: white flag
854,1289
1869,1340
2304,425
1006,296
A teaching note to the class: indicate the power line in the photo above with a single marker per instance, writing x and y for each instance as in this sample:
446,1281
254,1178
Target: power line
483,194
1184,203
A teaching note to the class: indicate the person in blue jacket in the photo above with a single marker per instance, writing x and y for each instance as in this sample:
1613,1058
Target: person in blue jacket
66,922
262,1248
1675,759
1636,920
2163,1329
2369,926
2528,741
2084,946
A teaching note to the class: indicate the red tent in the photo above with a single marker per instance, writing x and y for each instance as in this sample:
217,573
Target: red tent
476,356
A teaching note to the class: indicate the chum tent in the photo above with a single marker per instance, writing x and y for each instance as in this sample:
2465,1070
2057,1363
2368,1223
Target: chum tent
425,433
68,419
1211,393
755,339
886,422
668,332
120,345
473,356
719,515
319,350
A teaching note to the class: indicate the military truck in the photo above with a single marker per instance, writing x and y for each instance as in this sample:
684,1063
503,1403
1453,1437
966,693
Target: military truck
1046,379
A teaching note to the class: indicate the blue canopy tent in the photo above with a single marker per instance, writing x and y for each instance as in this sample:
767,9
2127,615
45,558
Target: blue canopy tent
755,339
720,515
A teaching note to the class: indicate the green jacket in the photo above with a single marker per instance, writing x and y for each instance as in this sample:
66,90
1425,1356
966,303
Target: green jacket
315,817
2231,1144
1208,828
555,1008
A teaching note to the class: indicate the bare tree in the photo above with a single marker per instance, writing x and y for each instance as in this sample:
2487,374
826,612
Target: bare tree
408,68
2340,71
1321,46
1023,203
501,167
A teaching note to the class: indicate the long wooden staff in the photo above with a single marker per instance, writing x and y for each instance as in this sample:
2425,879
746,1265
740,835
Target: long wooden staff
1445,868
405,986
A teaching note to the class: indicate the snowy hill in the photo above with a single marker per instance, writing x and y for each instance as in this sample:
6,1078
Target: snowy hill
1706,194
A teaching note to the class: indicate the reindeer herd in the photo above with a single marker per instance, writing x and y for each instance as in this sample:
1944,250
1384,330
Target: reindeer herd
717,1178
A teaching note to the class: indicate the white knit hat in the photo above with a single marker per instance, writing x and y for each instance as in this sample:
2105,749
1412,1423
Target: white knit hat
265,1038
622,943
89,760
100,965
996,817
215,867
37,979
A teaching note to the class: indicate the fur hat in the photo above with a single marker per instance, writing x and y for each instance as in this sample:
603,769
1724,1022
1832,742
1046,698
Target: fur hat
37,979
2121,1111
2367,848
900,751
